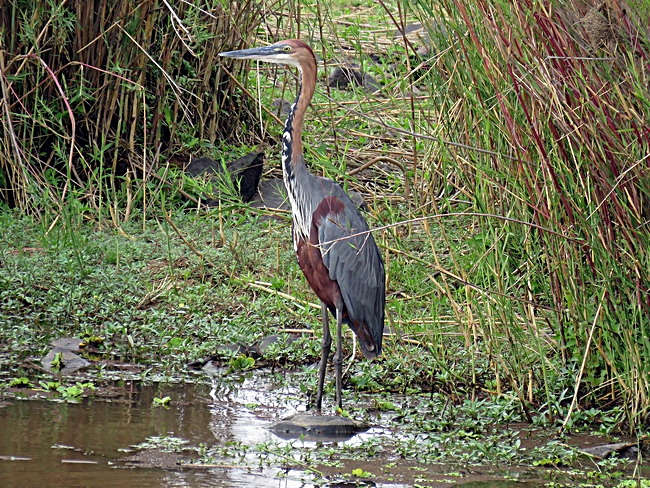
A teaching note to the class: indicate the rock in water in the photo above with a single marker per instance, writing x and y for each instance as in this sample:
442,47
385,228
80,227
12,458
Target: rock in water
317,427
72,344
66,363
627,450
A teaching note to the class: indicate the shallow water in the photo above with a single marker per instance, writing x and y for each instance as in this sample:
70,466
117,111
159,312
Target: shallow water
55,436
58,444
46,443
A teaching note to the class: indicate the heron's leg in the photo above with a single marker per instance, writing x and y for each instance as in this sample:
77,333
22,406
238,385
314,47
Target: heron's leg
326,346
338,358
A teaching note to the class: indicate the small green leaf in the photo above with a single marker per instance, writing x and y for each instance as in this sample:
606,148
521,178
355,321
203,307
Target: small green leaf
360,473
57,362
241,363
162,402
22,382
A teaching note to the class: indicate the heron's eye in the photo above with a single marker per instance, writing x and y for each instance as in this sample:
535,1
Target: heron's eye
286,49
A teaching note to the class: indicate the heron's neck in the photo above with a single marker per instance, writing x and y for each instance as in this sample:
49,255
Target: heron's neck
292,155
295,173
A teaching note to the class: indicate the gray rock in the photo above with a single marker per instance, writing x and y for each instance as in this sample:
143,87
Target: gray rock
272,195
349,75
605,450
69,343
70,362
245,173
317,427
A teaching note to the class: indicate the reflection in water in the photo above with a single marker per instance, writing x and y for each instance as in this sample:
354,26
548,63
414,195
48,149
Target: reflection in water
54,436
57,439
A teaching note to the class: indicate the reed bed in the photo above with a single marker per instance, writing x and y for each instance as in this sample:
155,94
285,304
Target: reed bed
546,106
94,93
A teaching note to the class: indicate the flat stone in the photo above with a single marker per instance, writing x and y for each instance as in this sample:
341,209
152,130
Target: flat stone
605,450
70,361
317,427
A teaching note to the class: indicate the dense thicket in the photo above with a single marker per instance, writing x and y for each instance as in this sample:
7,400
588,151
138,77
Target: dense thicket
559,94
94,92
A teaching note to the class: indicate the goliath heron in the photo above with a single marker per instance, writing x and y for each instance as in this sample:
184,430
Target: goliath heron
334,246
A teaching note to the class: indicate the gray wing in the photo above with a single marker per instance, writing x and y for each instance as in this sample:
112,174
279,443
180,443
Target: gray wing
354,262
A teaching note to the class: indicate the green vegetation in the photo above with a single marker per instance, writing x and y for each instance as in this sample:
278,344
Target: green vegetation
507,179
164,443
560,249
162,402
98,97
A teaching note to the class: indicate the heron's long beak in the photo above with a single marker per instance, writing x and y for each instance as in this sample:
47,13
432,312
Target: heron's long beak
253,53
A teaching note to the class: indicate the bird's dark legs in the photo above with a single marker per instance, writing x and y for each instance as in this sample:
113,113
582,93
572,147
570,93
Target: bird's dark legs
338,359
326,346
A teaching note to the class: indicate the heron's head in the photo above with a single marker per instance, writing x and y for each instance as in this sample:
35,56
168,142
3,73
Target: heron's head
293,52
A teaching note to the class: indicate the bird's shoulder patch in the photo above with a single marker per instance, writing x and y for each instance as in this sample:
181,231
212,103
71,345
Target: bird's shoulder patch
330,205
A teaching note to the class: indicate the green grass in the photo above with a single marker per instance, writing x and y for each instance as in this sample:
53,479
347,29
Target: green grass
149,294
144,283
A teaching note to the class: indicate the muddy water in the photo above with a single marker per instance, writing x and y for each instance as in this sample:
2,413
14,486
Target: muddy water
45,443
57,444
63,444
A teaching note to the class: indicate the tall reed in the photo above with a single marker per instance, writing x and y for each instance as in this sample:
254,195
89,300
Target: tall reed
545,121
